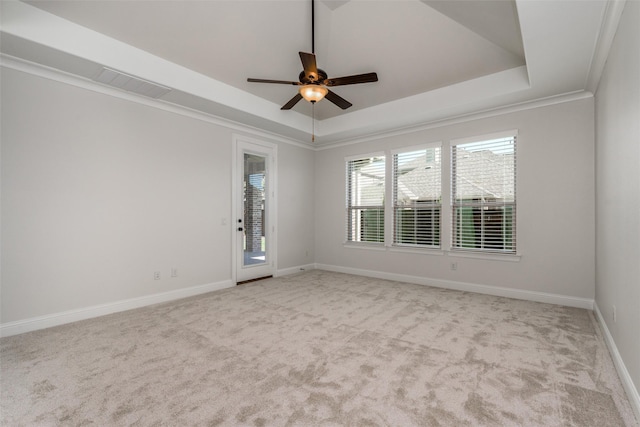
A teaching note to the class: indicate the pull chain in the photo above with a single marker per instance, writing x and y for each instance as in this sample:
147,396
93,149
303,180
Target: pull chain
313,50
313,122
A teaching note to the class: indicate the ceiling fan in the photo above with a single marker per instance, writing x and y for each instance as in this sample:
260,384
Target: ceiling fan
314,82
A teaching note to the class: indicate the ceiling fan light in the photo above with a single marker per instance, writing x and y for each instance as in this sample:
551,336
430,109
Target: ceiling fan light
313,93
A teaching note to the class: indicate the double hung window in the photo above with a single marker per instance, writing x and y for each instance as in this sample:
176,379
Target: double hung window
365,199
483,199
405,194
417,197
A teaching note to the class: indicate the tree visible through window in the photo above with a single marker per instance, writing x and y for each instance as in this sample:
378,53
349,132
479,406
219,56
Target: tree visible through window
484,195
365,199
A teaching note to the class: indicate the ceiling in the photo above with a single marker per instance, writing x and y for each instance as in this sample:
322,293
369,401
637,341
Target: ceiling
435,60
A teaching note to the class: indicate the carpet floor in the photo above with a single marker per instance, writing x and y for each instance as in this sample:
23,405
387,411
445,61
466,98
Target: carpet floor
318,349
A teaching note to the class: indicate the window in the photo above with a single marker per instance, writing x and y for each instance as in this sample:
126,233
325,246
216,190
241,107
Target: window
365,199
479,212
483,188
417,197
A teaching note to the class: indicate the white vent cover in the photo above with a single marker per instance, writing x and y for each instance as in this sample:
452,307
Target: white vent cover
130,83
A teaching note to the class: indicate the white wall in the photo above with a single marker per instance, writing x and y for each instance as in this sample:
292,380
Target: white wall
555,196
618,190
296,208
99,192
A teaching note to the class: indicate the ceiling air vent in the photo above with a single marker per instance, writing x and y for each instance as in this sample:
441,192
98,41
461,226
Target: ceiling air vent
131,84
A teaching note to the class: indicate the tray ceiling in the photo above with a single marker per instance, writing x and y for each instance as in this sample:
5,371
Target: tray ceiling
434,59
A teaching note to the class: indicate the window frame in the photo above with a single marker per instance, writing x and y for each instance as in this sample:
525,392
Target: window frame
385,224
419,206
350,208
483,206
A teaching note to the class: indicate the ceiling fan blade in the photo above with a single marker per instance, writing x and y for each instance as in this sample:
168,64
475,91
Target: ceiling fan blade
293,101
338,100
309,65
282,82
352,80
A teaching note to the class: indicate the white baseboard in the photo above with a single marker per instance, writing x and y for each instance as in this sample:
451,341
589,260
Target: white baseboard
623,373
467,287
42,322
293,270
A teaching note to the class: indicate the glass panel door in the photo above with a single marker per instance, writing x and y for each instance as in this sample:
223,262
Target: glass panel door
254,206
254,242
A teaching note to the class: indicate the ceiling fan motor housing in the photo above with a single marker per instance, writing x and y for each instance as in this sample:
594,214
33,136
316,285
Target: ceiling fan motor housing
311,77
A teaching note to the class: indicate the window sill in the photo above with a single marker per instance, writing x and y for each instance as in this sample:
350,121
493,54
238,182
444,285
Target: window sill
397,249
369,246
487,256
415,250
434,252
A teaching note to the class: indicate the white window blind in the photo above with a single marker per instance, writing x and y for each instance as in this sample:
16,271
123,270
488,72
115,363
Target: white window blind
417,197
365,199
483,184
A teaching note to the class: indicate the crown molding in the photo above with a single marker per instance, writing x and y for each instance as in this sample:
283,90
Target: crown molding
53,74
59,76
608,28
493,112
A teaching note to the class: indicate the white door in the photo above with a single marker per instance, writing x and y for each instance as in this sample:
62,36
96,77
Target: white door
254,209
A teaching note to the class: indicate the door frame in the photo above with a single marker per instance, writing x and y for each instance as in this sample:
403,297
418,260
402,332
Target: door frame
240,145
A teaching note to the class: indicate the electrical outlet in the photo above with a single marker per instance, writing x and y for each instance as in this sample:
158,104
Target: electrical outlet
615,314
156,275
454,266
174,272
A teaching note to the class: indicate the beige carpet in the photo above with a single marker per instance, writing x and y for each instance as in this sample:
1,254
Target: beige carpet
318,348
